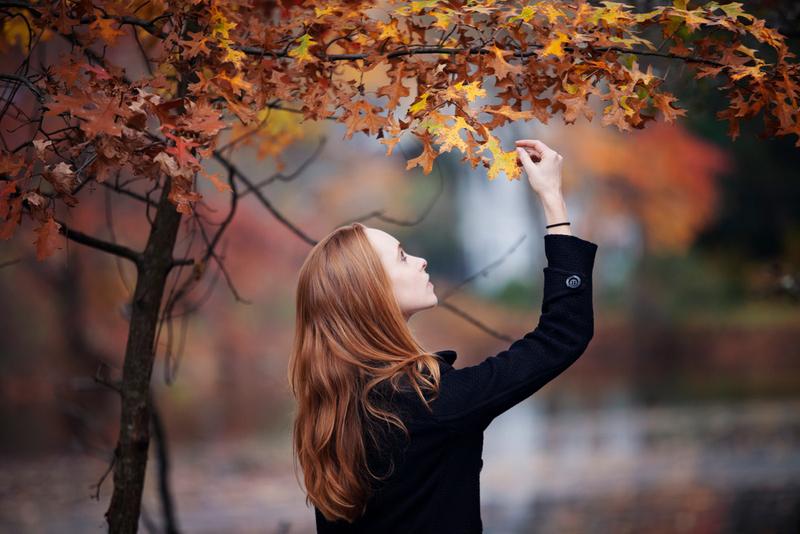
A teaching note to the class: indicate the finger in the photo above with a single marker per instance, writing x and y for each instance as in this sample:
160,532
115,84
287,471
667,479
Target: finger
531,144
524,157
534,154
537,145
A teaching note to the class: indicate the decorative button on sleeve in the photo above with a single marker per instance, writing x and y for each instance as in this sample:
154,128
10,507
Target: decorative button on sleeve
574,281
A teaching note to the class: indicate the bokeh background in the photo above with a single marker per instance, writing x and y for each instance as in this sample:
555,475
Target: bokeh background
682,416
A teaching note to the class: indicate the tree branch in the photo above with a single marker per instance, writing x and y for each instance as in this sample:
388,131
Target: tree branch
149,26
26,82
105,246
262,198
470,319
128,192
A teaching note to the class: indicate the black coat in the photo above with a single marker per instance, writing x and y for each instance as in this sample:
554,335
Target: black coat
434,486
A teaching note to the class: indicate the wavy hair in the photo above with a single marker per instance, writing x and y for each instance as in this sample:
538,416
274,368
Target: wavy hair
350,337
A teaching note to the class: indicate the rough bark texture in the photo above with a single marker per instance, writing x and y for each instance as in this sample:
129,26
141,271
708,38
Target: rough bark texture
134,432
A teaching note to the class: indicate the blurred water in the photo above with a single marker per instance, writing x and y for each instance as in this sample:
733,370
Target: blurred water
534,461
614,467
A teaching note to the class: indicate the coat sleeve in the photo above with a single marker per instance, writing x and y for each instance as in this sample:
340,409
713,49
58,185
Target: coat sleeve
469,398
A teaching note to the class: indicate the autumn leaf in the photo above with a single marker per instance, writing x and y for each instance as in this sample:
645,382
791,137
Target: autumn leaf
388,31
236,57
15,33
221,186
47,238
448,135
500,66
221,26
107,29
369,120
426,158
420,104
663,104
556,45
241,64
395,90
181,149
62,177
502,161
470,91
301,52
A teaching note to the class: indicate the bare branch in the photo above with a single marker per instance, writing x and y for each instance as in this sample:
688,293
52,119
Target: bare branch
105,246
128,192
378,214
470,319
9,262
26,82
288,178
99,483
262,198
484,271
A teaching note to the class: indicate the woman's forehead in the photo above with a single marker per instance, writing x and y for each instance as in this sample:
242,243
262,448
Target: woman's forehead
383,241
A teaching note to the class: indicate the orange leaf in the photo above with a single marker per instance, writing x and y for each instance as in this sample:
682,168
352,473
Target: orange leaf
426,158
221,186
47,238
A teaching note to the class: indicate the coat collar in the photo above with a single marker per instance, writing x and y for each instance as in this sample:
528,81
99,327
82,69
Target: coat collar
448,355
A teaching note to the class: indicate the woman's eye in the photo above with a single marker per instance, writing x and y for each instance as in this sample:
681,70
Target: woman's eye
403,255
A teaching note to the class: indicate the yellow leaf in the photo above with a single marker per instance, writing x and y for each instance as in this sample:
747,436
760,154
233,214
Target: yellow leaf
556,45
301,50
552,13
220,26
502,161
742,71
419,5
233,56
734,9
15,31
525,15
443,20
322,11
388,30
420,104
449,135
748,51
612,13
472,90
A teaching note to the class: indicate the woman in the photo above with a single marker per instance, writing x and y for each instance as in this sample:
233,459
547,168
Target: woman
389,435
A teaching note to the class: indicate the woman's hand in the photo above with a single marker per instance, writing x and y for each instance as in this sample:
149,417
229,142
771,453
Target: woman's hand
544,170
544,175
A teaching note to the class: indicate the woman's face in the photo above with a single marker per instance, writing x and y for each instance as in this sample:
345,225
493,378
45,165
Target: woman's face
412,288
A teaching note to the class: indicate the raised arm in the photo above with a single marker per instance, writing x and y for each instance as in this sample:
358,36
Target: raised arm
471,397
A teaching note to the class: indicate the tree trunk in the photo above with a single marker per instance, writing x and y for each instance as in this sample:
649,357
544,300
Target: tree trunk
134,432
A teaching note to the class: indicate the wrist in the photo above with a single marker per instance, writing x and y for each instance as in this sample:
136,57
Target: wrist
553,195
555,211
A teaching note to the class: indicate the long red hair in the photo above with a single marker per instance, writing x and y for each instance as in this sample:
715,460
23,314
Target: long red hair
350,336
